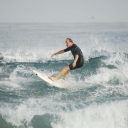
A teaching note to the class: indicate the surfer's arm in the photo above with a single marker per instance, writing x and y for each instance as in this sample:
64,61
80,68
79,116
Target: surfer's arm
59,52
75,60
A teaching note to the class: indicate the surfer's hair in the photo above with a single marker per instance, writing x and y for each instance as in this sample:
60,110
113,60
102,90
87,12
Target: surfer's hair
70,40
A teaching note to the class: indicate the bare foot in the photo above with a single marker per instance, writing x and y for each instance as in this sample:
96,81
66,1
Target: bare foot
64,79
52,78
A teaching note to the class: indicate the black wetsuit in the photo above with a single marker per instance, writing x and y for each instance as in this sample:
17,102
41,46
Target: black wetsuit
76,50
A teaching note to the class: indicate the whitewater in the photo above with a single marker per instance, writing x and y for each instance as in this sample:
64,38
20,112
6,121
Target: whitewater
96,95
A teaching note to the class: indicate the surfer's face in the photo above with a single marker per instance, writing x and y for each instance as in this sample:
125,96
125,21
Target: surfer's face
68,43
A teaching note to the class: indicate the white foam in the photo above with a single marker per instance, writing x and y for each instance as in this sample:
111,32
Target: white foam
24,112
111,114
17,78
119,62
19,75
21,113
104,75
107,115
93,50
9,84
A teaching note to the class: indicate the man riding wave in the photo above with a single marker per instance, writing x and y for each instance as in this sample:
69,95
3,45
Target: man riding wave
77,63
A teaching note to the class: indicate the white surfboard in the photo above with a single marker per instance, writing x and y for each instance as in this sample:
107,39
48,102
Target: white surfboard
59,83
43,76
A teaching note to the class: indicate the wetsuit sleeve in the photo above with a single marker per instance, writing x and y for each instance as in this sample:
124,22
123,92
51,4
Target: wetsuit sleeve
67,49
77,51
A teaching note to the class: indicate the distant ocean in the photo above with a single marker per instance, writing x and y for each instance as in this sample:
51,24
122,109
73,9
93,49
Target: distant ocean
97,96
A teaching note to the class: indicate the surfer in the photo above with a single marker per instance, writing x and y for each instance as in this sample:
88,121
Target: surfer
77,63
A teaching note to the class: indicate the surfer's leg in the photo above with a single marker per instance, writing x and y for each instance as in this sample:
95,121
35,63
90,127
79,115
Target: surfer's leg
62,72
66,74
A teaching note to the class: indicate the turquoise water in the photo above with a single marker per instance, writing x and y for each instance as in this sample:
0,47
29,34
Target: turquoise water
97,93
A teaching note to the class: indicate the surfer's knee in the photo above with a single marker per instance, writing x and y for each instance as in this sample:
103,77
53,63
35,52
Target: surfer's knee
67,68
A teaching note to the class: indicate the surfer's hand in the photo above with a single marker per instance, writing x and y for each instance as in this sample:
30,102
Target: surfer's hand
73,64
52,55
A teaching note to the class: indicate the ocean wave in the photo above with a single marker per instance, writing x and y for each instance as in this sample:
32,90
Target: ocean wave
97,93
33,113
43,57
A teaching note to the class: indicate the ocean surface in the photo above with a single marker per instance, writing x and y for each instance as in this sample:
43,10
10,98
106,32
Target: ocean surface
97,93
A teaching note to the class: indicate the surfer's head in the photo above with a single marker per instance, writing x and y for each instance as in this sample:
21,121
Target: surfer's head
69,42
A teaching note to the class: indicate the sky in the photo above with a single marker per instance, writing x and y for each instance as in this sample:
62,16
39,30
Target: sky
63,11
